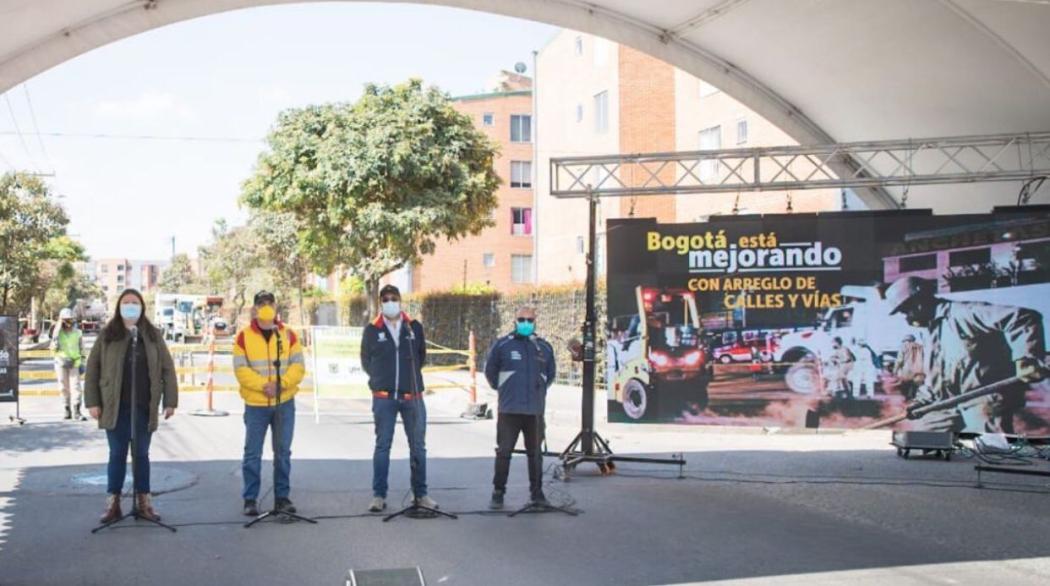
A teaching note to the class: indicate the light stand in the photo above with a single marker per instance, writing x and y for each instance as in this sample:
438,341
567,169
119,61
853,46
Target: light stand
589,445
284,516
541,507
134,513
415,510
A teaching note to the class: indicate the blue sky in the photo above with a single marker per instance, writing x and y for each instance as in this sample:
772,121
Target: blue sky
225,76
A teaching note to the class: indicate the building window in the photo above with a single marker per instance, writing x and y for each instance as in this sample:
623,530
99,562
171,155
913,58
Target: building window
521,268
521,128
579,46
579,244
601,112
489,260
120,278
521,174
923,262
105,268
120,267
966,258
710,140
521,221
488,119
579,113
741,131
707,89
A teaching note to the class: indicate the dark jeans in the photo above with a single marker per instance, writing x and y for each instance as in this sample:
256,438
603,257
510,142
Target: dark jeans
119,439
414,418
508,426
256,421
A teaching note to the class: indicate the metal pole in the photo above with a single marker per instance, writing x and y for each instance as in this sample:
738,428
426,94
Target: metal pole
590,317
472,350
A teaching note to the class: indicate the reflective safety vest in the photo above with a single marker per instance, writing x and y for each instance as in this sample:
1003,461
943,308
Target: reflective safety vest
253,363
68,345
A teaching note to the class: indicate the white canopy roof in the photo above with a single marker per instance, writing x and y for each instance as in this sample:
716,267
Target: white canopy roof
824,71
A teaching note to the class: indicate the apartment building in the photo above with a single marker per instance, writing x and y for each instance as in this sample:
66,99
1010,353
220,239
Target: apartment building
595,97
501,256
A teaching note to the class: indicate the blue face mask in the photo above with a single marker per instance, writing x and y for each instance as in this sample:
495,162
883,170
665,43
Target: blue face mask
130,312
525,328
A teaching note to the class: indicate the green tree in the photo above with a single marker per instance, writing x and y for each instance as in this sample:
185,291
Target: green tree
31,224
278,236
231,262
376,183
179,277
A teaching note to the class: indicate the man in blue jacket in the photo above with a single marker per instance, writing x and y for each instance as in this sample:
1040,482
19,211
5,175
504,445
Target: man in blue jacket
520,367
392,354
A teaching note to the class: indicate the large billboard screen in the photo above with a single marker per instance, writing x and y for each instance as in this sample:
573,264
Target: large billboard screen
837,320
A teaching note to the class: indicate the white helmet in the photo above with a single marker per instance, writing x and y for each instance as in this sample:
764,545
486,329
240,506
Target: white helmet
65,314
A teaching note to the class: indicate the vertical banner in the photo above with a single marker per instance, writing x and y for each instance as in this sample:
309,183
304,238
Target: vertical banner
8,358
337,364
834,320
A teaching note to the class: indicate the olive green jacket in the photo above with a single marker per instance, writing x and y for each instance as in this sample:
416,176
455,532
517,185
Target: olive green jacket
105,375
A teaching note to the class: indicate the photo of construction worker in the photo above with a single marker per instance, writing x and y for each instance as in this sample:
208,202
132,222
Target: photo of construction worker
971,345
908,368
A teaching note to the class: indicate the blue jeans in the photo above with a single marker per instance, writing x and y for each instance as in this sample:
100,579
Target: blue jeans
256,422
119,438
414,418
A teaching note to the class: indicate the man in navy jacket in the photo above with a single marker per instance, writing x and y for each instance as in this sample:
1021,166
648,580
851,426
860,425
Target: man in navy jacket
520,367
392,354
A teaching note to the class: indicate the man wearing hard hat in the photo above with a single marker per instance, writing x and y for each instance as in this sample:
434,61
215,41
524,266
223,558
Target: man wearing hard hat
969,345
67,347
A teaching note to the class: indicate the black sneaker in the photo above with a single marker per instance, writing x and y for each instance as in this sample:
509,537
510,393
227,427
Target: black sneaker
538,498
497,500
284,505
251,508
69,414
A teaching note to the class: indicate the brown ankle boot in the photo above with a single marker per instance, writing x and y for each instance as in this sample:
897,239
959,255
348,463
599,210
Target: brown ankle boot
145,506
113,511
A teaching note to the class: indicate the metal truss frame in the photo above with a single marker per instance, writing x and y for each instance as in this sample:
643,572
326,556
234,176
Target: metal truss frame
928,161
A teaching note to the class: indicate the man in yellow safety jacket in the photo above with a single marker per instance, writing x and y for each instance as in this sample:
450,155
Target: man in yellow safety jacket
257,352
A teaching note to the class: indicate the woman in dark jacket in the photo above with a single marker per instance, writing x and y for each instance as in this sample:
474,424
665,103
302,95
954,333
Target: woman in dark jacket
108,390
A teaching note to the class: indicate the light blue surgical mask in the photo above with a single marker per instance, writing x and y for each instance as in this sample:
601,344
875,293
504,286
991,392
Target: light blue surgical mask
130,311
391,309
525,328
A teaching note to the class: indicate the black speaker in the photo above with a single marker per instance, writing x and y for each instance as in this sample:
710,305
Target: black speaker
389,577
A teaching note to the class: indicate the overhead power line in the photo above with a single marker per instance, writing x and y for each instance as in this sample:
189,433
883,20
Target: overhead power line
36,127
153,137
18,131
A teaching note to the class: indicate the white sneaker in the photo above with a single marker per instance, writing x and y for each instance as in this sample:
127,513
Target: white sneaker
378,505
427,502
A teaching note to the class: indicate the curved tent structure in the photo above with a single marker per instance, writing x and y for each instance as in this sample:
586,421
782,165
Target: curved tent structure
841,71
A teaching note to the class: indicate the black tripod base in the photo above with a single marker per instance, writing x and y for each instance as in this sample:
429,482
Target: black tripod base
280,516
535,507
602,455
136,515
415,511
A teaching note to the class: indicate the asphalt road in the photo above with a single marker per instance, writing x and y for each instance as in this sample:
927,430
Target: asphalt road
756,508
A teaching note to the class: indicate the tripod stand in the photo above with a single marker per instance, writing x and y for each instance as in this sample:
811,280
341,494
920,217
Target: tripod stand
280,514
589,445
134,513
415,510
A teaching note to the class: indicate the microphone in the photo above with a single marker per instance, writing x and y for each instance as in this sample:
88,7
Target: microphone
134,333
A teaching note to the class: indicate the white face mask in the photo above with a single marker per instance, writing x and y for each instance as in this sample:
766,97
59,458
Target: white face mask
391,309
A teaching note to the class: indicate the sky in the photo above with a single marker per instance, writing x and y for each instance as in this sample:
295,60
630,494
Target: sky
223,78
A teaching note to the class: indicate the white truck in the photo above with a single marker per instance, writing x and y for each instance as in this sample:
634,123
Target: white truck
864,316
185,317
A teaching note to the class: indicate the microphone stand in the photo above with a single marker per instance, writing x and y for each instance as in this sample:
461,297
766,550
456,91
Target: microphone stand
134,513
415,510
283,516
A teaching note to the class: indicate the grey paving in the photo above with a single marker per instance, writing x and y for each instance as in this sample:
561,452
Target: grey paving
754,508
